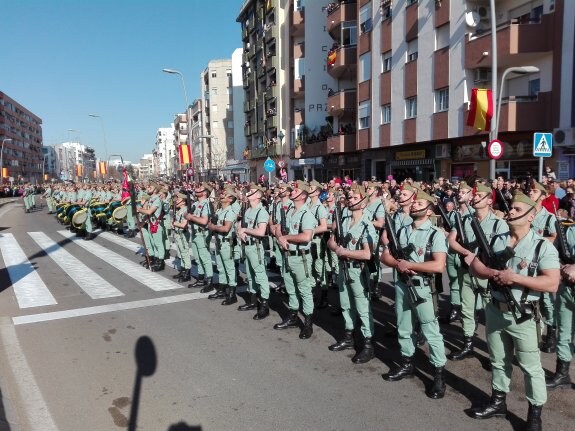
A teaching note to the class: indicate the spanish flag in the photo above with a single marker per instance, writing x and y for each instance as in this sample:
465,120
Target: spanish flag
79,170
102,168
480,109
331,57
185,154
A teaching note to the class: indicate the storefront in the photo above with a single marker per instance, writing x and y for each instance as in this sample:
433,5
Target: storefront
307,169
340,166
413,164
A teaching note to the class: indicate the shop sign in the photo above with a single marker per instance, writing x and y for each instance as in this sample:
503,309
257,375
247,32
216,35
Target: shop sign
410,155
562,170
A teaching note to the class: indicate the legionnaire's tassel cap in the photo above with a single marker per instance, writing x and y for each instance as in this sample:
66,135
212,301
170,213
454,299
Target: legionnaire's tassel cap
181,196
230,193
482,188
207,187
423,195
374,184
301,185
409,188
539,187
464,186
356,188
286,187
314,185
521,197
254,186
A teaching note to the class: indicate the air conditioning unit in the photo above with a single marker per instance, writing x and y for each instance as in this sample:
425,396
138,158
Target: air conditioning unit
482,74
484,13
443,151
563,137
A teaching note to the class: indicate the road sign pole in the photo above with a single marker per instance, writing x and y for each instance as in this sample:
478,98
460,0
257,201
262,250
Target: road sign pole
540,169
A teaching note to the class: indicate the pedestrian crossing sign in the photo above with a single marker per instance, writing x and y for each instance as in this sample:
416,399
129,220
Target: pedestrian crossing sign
542,144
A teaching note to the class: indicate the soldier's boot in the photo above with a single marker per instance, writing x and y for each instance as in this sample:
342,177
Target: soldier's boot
199,282
366,354
179,274
561,377
550,342
89,236
263,310
131,234
220,292
497,407
208,286
307,328
534,418
159,266
465,352
454,315
147,262
185,276
323,303
345,343
402,371
231,296
437,391
252,305
290,321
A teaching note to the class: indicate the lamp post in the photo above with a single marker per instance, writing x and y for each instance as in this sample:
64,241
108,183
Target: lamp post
103,132
177,72
43,166
2,158
210,137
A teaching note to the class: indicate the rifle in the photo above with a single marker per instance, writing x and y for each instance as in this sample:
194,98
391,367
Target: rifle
243,224
138,224
398,253
564,254
213,219
284,230
505,206
339,239
444,215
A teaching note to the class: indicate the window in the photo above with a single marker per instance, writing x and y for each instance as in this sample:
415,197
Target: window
228,107
442,100
349,33
411,51
215,125
534,87
214,74
365,67
363,114
230,141
386,62
411,107
230,124
299,68
298,5
410,2
228,72
214,91
386,11
365,19
214,107
386,114
442,37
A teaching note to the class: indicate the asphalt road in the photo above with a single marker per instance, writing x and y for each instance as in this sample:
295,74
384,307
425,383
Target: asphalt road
71,365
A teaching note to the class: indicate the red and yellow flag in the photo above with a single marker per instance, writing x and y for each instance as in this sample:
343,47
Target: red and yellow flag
480,109
102,168
4,172
79,170
331,57
185,154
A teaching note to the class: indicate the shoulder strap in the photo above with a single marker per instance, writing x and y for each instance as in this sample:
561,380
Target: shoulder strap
256,218
429,246
533,266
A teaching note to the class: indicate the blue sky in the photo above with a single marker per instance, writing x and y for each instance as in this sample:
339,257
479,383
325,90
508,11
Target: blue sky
65,59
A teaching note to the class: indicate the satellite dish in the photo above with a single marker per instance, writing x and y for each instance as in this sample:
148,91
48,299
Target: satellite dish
472,19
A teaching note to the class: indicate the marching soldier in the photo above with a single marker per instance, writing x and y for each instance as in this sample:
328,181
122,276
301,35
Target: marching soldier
331,261
85,200
511,327
49,201
375,212
358,237
319,247
182,236
251,229
425,249
282,208
151,231
297,274
452,267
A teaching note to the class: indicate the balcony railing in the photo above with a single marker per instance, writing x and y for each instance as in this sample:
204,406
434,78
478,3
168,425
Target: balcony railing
341,102
344,11
344,65
341,143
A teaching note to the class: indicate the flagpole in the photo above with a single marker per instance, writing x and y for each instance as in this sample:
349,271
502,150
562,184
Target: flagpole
494,121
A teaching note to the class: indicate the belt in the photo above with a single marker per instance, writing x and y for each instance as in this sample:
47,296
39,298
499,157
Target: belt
354,264
227,240
298,252
420,282
252,242
504,307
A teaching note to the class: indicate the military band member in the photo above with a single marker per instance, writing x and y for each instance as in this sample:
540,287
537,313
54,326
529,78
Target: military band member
85,201
359,238
182,236
425,248
533,268
298,277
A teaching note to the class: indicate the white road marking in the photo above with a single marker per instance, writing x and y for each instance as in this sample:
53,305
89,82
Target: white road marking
150,279
29,288
90,282
88,311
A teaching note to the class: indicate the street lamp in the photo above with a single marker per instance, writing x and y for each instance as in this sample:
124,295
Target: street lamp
103,132
2,158
210,137
43,166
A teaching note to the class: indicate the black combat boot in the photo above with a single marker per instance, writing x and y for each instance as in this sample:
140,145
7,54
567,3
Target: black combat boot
263,310
496,407
548,346
307,328
179,274
534,418
290,321
208,286
252,305
322,303
185,276
466,351
159,266
231,298
404,370
220,292
561,377
454,315
89,236
198,283
345,343
366,354
437,391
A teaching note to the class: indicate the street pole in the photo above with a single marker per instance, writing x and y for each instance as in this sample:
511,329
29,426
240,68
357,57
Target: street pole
493,132
103,133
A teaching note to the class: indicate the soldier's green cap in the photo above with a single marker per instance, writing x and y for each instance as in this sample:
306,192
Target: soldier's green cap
181,196
301,185
144,196
314,185
482,188
374,184
464,186
228,191
423,195
356,188
409,188
539,187
208,188
254,186
519,196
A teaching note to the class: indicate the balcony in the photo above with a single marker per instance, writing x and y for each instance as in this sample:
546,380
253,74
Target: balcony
271,92
345,63
248,129
298,26
299,117
272,122
299,87
516,43
345,11
248,105
341,143
181,119
523,113
245,34
299,50
315,149
341,102
271,33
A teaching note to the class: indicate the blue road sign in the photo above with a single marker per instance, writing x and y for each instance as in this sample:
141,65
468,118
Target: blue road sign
542,144
269,165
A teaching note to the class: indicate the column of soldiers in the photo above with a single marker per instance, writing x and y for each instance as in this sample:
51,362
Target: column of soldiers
508,267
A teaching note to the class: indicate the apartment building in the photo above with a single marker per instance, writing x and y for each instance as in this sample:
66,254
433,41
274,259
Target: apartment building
196,131
181,133
165,152
21,140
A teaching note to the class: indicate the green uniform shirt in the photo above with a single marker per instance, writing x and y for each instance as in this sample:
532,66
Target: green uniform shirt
299,220
544,223
157,203
375,210
496,230
358,234
200,209
255,216
318,211
224,215
416,240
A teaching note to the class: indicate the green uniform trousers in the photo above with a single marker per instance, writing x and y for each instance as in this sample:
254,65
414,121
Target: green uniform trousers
200,244
183,246
506,338
318,252
566,330
256,270
130,219
354,299
548,308
299,283
50,203
452,266
425,313
148,242
470,301
88,224
225,263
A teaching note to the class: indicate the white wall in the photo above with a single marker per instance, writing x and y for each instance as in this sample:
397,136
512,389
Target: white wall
238,104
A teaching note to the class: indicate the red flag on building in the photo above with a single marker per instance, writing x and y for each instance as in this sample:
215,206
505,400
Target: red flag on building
79,171
185,154
480,109
331,57
102,168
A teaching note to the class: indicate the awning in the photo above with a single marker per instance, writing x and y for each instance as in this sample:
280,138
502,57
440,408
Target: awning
411,162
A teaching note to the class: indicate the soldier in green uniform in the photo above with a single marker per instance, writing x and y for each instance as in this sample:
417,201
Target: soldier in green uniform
375,213
167,221
297,275
255,220
152,234
532,268
86,199
358,239
182,237
471,288
319,243
425,249
224,233
544,225
452,264
331,261
281,209
48,196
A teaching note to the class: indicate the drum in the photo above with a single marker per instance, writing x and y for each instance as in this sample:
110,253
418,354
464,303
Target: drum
97,207
79,218
120,214
71,211
110,209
